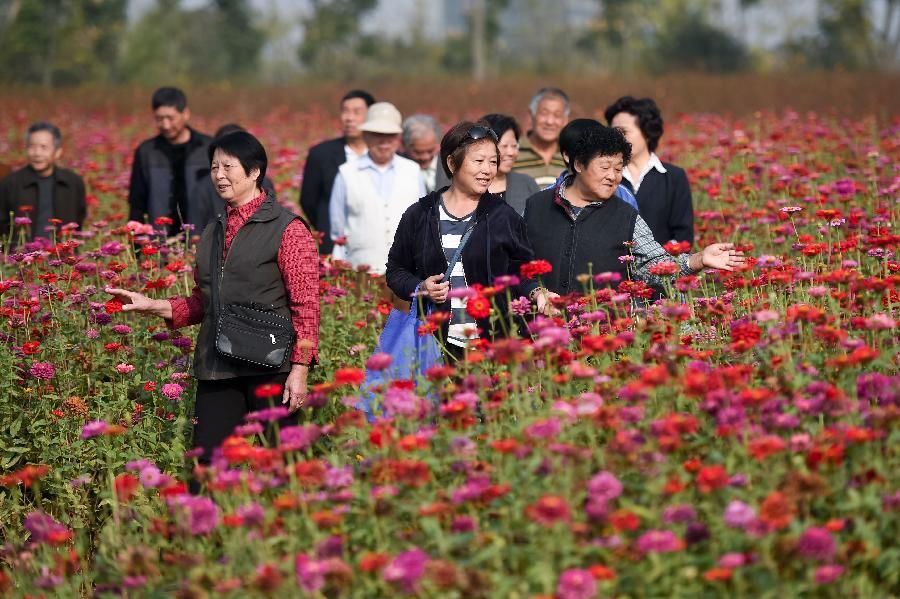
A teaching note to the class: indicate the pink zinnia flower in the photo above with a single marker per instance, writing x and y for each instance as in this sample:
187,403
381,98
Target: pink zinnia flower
172,391
543,429
124,368
828,574
402,402
738,514
379,361
310,573
576,583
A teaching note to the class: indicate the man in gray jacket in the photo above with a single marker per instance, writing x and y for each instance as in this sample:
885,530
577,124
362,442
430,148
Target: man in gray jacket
168,168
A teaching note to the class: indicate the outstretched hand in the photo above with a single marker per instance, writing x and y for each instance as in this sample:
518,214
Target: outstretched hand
133,301
722,256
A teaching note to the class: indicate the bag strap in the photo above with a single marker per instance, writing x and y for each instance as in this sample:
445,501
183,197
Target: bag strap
458,253
215,266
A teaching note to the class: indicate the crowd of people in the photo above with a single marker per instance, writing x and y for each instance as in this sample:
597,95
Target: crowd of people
394,197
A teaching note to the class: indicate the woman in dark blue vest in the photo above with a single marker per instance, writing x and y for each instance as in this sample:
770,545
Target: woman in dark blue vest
581,226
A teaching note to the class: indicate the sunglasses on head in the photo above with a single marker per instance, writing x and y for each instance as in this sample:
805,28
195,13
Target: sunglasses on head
478,132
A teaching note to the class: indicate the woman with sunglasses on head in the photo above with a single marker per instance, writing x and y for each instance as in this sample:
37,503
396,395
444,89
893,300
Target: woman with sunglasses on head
432,229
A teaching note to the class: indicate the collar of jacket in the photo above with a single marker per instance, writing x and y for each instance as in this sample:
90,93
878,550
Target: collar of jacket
485,204
192,143
266,212
31,177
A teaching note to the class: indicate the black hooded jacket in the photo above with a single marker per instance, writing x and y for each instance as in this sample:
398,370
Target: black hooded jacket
498,246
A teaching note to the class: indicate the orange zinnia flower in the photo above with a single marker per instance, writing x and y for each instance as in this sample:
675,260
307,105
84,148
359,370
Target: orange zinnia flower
777,510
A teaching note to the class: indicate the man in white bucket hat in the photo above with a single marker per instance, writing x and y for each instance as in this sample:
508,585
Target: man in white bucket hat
370,195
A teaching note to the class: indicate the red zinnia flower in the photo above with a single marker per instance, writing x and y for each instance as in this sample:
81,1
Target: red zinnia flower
268,390
349,376
548,510
126,487
113,306
711,478
535,268
478,307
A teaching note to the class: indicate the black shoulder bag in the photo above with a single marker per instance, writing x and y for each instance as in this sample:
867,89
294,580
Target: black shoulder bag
251,333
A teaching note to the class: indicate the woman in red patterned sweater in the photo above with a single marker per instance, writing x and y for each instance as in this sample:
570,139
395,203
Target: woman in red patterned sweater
269,258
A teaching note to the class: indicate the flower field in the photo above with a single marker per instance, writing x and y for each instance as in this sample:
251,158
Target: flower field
739,442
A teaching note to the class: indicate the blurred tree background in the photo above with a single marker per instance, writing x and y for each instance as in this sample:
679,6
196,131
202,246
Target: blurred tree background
69,42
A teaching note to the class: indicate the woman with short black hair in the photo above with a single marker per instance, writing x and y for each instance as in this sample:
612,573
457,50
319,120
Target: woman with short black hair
256,254
581,226
662,189
432,229
513,187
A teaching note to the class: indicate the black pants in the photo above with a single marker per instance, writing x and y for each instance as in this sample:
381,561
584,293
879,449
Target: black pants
222,405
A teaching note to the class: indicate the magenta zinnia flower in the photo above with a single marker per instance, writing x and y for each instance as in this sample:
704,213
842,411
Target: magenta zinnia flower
197,516
406,569
604,487
576,583
92,429
172,391
659,541
44,528
42,370
295,438
816,543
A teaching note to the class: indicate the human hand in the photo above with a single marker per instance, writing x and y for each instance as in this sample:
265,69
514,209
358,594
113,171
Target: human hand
544,302
435,290
722,256
133,301
294,393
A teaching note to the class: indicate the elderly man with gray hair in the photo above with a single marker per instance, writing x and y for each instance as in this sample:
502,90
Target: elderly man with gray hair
539,155
421,143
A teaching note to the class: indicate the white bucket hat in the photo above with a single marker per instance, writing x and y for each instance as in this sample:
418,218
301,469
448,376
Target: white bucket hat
383,117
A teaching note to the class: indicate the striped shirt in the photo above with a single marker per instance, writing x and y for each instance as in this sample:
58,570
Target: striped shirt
452,231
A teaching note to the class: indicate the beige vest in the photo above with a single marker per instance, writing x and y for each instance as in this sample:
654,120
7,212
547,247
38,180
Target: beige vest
371,219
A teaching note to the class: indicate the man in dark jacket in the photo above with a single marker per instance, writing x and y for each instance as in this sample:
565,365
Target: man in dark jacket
42,192
324,160
167,168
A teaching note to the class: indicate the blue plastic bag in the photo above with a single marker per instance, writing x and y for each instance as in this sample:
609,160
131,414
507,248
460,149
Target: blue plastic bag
412,354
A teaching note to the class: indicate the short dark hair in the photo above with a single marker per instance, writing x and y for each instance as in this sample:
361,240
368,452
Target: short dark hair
570,136
169,96
246,148
600,141
361,94
49,128
456,141
502,123
226,129
648,116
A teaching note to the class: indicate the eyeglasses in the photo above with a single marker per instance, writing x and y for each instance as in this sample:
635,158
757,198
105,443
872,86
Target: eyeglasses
478,132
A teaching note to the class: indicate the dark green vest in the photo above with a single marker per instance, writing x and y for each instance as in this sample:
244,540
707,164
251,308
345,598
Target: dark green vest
250,274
